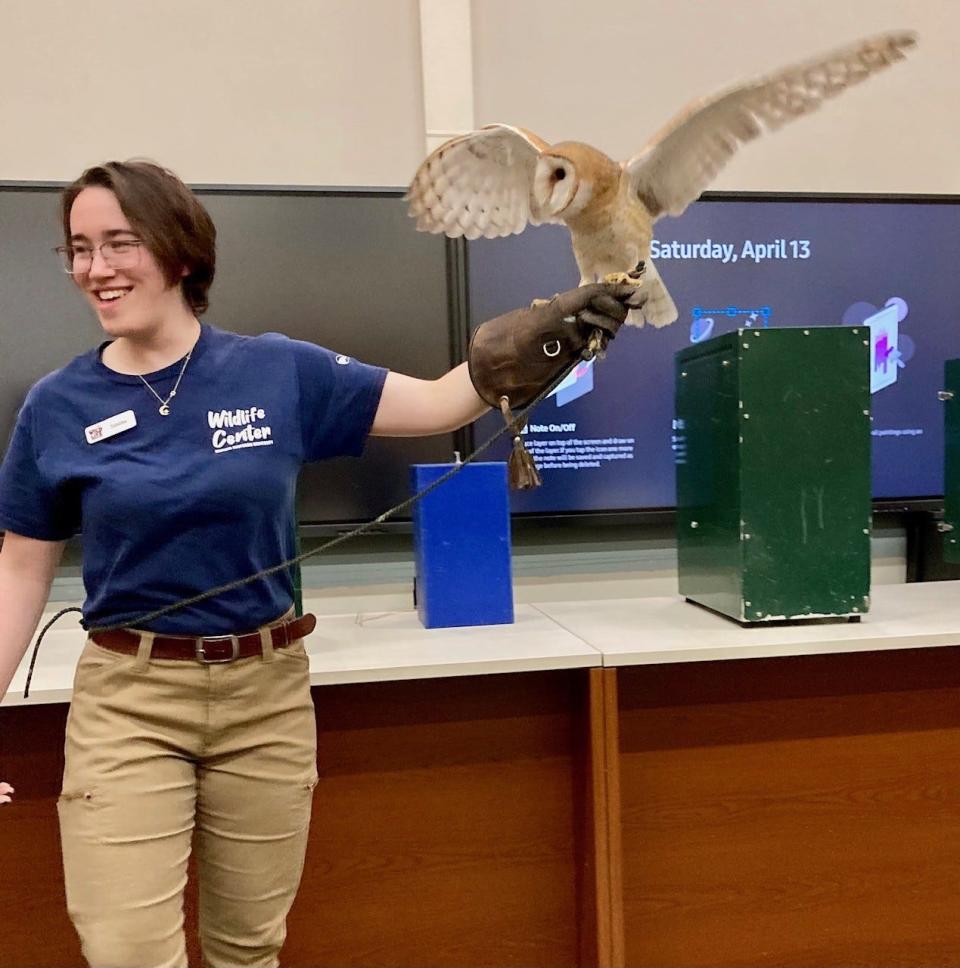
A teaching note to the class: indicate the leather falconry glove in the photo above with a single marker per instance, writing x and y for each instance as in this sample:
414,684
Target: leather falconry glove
514,357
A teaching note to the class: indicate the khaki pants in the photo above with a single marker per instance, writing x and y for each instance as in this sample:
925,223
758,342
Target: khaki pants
156,748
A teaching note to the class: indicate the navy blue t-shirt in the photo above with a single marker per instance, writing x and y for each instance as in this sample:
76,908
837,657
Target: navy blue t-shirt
182,503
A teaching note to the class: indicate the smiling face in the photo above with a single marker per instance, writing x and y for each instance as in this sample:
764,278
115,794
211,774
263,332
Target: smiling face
135,302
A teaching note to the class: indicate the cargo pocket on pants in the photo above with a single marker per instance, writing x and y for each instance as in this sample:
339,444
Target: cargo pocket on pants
77,810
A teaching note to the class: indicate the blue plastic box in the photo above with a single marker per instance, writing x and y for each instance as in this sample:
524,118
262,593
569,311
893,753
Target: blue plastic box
461,540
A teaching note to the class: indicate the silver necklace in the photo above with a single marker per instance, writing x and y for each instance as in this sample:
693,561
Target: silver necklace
165,404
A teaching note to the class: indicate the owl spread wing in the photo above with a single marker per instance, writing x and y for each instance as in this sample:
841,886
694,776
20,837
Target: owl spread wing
681,161
478,184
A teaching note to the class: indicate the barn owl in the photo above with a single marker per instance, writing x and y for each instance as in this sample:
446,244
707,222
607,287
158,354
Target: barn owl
495,181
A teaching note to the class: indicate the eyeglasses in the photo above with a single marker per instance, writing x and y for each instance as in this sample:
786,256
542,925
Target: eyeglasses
116,253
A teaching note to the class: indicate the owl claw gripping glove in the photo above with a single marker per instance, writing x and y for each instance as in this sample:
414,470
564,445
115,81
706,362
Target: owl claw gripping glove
514,357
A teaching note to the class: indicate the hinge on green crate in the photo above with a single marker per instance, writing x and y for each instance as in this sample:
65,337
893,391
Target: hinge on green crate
951,460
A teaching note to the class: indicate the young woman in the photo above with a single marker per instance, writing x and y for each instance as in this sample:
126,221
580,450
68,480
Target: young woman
175,446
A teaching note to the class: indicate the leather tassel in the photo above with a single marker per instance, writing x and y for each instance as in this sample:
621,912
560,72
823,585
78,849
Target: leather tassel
522,471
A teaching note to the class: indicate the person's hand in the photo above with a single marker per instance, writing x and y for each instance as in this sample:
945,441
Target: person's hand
596,306
517,355
5,791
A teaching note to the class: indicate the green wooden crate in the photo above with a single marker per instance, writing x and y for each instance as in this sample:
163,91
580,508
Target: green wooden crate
772,445
951,461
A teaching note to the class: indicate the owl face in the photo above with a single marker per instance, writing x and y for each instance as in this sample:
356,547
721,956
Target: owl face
570,177
558,189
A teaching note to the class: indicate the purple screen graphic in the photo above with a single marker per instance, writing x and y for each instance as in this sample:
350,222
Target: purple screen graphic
788,262
884,349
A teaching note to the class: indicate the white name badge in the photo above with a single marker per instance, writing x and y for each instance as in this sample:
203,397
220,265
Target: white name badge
110,427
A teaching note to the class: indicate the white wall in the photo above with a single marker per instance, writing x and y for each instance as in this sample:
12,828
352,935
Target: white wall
331,92
301,92
612,72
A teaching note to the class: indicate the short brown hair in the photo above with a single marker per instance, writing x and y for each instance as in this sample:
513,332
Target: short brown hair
176,228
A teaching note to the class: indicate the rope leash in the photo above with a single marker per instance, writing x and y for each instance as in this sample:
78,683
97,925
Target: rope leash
588,353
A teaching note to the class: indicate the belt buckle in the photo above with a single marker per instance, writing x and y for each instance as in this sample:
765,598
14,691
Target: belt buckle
201,643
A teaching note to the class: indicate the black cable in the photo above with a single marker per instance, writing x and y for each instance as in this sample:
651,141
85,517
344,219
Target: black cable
141,620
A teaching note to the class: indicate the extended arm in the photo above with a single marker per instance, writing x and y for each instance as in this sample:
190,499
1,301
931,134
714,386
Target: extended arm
417,408
514,355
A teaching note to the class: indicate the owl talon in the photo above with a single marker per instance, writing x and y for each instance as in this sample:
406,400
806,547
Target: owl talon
634,278
596,346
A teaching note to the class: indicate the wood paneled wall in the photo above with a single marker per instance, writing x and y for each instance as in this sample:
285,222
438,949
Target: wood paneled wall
798,811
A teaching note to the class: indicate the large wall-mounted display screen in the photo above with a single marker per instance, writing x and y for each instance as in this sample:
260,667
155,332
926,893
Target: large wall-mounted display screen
604,440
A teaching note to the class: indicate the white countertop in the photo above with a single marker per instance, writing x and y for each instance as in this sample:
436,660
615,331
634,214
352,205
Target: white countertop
656,630
372,647
360,647
392,645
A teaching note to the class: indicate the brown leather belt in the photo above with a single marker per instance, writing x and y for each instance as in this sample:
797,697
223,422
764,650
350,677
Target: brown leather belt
212,648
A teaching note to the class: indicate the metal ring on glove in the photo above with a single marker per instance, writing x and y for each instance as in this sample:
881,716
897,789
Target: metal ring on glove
554,348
